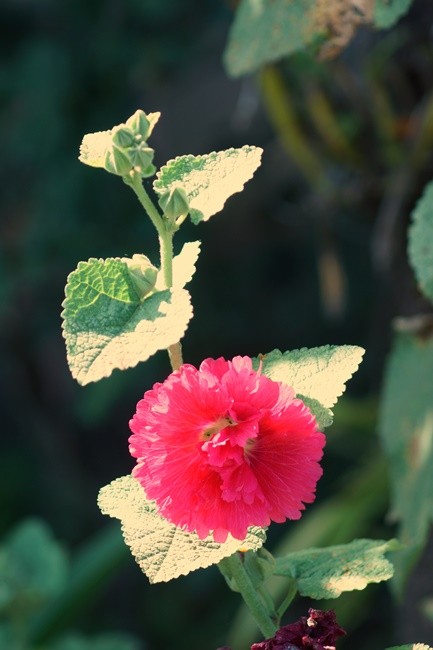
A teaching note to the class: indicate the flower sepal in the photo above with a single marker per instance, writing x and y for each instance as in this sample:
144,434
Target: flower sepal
174,203
259,566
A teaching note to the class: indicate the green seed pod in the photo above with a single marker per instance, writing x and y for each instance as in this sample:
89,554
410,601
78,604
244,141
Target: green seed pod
122,136
174,203
117,161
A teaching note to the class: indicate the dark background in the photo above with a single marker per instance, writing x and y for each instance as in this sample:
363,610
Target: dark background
287,264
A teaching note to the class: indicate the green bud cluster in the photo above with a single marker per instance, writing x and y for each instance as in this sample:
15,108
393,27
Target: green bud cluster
129,149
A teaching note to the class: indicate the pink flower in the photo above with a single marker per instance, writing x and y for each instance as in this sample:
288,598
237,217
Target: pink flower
223,448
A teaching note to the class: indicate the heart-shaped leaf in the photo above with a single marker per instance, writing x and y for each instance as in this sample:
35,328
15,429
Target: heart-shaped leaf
109,324
162,550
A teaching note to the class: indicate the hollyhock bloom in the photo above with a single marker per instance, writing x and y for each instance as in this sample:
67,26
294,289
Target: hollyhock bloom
317,631
222,448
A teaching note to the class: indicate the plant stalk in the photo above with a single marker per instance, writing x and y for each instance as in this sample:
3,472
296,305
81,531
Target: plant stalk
165,236
233,569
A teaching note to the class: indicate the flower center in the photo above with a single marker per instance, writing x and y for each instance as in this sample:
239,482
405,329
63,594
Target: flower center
222,423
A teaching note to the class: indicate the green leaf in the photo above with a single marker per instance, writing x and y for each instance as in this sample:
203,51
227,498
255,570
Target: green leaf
420,247
406,429
7,637
108,324
327,572
162,550
209,180
265,31
318,375
111,641
93,563
33,566
388,12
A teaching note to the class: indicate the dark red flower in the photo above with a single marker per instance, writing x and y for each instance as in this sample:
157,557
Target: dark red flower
317,631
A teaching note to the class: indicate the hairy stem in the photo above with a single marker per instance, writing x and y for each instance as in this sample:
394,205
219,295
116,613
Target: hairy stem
137,185
165,236
233,570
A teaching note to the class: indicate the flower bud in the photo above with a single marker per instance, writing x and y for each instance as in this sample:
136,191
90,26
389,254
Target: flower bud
142,273
139,124
117,161
122,136
174,203
141,155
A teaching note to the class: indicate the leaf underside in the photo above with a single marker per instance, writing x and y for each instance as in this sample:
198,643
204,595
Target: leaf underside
317,375
327,572
162,550
209,180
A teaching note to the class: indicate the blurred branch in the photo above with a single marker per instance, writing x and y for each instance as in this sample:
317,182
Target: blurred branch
282,115
327,125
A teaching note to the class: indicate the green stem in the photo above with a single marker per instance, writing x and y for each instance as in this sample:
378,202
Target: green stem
233,569
137,185
291,593
166,253
165,236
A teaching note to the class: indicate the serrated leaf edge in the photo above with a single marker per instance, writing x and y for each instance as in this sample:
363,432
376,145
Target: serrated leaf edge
188,157
133,364
386,546
354,347
64,305
210,542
